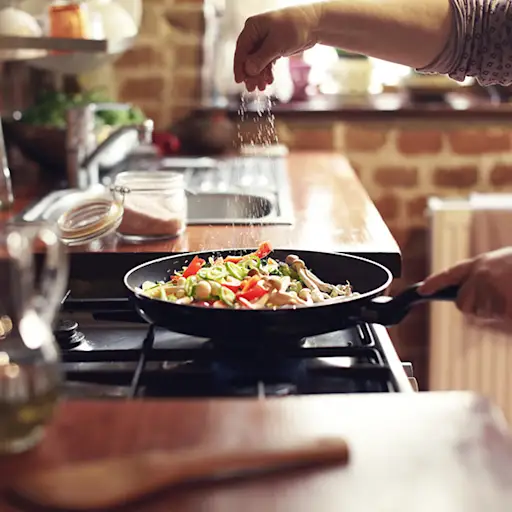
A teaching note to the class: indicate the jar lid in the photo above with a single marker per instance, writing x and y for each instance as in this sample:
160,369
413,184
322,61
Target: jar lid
92,219
148,181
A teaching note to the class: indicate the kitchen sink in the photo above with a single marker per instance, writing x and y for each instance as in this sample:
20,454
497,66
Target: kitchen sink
219,208
216,194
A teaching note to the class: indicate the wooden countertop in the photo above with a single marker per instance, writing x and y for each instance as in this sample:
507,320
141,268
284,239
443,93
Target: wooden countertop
448,452
333,213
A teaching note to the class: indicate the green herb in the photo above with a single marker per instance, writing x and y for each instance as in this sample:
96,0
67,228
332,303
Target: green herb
295,286
51,109
216,273
250,263
190,285
236,271
227,296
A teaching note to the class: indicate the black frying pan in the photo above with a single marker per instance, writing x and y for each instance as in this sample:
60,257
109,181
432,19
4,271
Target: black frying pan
368,278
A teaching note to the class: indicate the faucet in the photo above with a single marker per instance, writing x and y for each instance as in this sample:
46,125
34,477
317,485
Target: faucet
83,152
6,193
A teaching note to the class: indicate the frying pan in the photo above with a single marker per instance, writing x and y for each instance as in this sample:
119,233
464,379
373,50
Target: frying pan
368,278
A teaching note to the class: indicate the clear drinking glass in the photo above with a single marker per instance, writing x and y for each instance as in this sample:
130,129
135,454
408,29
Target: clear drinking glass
6,193
31,291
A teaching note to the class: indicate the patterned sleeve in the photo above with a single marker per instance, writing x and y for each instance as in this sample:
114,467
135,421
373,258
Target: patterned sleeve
480,44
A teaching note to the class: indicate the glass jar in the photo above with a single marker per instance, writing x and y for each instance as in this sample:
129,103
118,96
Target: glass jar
69,19
92,219
155,205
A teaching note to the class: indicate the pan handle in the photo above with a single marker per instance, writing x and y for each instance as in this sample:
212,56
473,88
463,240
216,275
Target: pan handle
410,296
391,311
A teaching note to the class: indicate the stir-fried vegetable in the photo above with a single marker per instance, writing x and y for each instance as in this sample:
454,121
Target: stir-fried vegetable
253,281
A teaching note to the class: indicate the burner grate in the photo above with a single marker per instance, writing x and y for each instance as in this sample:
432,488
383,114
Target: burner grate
350,361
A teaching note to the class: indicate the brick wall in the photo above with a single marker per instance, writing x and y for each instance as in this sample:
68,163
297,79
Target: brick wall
401,164
161,73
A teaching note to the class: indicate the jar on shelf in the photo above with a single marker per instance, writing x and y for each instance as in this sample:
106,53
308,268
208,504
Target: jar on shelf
352,73
69,19
155,204
141,206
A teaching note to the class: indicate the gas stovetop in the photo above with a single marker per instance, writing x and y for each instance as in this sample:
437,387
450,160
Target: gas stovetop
108,351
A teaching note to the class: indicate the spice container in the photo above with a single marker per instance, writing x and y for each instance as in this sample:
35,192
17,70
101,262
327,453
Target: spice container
155,205
141,206
69,19
91,220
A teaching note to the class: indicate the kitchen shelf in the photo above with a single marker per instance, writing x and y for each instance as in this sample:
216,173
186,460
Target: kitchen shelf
65,44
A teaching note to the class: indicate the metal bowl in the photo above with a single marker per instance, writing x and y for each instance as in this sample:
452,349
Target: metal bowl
46,146
43,145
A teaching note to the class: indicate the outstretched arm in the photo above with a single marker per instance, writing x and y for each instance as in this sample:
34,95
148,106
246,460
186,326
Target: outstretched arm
460,38
409,32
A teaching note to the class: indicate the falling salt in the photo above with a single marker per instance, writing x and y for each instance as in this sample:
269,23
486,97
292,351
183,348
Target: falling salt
254,143
242,116
265,134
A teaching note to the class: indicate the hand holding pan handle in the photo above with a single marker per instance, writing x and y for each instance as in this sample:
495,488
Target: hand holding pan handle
392,310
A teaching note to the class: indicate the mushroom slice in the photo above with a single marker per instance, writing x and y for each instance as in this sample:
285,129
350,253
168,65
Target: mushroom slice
171,289
285,283
324,287
281,298
261,302
317,296
300,267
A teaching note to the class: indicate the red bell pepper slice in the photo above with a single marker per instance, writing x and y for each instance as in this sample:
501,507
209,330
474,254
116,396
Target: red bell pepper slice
253,281
194,267
264,250
255,292
233,259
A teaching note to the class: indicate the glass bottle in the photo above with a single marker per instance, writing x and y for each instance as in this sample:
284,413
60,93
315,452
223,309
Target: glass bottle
29,356
6,193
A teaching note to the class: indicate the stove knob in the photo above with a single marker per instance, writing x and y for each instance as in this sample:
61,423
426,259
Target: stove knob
67,334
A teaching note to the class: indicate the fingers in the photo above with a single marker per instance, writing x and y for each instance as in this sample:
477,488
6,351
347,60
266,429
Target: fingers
244,45
452,276
256,51
479,298
263,57
261,81
478,295
467,299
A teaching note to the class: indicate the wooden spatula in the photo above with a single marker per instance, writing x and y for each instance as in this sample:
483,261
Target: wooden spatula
103,484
